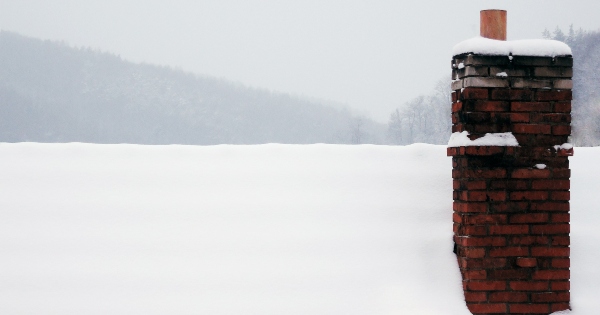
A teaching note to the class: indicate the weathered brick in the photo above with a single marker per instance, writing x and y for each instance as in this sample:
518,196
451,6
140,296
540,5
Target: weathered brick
550,251
529,308
556,72
480,219
529,195
557,274
561,130
561,263
481,241
550,206
508,229
475,296
529,240
472,93
531,61
531,107
532,128
562,84
509,251
556,307
476,263
508,274
551,229
529,285
526,262
525,83
553,95
560,286
560,196
529,218
562,107
486,106
487,308
486,285
530,173
508,297
560,218
470,207
475,274
551,184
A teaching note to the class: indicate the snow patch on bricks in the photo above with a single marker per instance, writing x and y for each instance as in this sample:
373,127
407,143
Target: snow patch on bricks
504,139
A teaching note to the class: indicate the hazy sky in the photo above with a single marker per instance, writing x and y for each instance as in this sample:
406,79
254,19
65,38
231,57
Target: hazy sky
372,55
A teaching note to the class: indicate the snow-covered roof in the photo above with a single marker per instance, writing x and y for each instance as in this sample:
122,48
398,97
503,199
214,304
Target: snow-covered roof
529,47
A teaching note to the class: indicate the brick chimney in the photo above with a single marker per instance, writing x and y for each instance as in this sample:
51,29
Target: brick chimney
511,201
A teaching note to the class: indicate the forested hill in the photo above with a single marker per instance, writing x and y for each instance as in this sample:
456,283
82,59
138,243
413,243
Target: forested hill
50,92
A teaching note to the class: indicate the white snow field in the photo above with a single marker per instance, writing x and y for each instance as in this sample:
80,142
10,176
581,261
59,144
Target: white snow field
266,229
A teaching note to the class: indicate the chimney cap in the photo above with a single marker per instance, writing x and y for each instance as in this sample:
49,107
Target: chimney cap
493,24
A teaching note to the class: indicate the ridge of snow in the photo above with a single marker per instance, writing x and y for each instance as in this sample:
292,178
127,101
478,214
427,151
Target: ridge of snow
504,139
527,47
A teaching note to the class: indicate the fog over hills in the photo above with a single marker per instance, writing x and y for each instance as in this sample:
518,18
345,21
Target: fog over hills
50,92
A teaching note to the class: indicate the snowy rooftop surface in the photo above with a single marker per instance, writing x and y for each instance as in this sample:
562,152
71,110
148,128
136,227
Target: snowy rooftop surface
529,47
461,139
230,230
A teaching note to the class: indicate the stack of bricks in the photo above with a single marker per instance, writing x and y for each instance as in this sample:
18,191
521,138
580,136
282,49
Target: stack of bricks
511,204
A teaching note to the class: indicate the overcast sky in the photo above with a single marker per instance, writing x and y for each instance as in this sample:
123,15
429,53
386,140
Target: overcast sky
371,55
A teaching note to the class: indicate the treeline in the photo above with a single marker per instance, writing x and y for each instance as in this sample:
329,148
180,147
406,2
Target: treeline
50,92
427,118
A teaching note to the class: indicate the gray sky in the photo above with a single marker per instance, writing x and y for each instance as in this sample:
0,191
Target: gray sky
372,55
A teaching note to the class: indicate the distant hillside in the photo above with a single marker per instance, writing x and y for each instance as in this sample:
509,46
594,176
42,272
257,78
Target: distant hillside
50,92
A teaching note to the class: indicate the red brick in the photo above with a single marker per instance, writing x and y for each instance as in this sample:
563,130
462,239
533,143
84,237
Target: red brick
473,195
529,218
482,241
485,219
561,173
562,107
529,240
457,218
560,286
551,118
484,150
480,174
508,297
489,106
561,130
508,274
551,274
529,308
487,308
508,229
486,285
475,185
470,207
529,195
531,129
509,251
482,263
562,95
457,106
551,184
508,184
550,251
519,117
557,307
474,93
526,262
550,297
550,206
509,207
530,173
560,218
475,296
551,229
560,196
475,275
471,252
454,96
530,107
529,285
561,263
473,230
561,241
